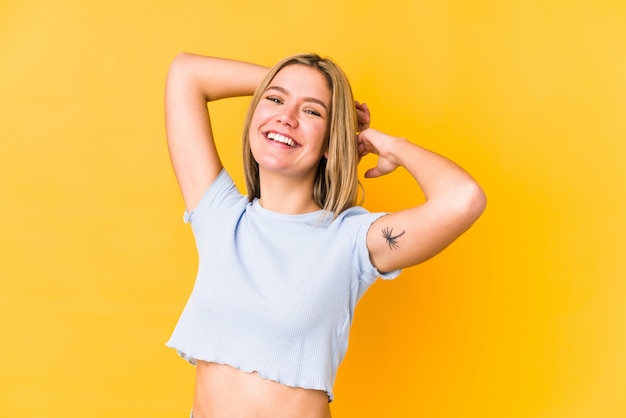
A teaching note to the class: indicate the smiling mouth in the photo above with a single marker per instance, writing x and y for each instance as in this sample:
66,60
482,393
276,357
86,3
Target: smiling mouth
281,138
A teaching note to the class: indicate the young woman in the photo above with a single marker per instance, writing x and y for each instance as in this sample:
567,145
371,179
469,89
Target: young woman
281,269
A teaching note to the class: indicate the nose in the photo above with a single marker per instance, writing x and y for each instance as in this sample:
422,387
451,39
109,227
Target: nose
288,116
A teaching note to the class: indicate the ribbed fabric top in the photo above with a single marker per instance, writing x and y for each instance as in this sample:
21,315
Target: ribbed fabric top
274,294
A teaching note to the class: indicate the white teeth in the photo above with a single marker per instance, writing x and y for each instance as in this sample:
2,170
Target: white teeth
281,138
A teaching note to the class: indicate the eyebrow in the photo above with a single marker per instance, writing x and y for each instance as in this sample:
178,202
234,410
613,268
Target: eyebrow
307,99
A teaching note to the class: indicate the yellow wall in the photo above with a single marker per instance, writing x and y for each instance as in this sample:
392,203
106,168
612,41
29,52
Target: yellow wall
522,317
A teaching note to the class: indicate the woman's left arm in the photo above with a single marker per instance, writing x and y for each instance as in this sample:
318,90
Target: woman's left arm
453,203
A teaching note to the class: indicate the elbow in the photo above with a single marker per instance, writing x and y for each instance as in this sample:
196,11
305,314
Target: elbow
463,205
181,57
176,69
472,203
179,63
183,64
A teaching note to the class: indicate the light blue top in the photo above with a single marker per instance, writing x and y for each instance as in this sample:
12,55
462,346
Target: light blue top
275,294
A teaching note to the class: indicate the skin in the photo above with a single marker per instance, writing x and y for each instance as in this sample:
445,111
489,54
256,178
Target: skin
294,106
225,392
453,202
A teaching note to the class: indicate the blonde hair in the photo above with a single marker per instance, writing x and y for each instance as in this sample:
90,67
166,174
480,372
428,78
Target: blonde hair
336,183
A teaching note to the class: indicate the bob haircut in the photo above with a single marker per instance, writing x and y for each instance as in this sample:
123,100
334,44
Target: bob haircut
336,183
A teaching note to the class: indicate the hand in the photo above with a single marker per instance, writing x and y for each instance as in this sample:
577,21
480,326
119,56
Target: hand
381,144
363,119
363,116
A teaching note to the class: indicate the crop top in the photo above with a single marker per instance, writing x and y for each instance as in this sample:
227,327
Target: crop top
274,294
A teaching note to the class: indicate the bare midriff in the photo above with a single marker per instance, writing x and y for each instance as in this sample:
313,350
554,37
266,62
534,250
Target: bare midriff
225,392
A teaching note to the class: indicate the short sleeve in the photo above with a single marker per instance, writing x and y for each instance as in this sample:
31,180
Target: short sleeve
221,197
216,194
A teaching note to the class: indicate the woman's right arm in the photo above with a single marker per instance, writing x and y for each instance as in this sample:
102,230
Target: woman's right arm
192,81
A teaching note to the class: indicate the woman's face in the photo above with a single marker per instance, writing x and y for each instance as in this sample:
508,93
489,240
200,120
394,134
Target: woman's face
289,127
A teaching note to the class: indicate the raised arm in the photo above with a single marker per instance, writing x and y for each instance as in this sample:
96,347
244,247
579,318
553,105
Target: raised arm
453,202
192,81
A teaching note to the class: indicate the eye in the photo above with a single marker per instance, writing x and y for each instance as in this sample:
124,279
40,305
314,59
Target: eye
274,99
312,112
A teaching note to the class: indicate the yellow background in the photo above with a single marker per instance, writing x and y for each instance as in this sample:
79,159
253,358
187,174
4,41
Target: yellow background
524,316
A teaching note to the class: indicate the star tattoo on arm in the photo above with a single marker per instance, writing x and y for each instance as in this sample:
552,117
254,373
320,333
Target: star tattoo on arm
392,240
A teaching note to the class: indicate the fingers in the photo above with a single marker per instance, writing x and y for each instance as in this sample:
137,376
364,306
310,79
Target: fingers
371,141
362,151
362,107
363,116
372,173
363,145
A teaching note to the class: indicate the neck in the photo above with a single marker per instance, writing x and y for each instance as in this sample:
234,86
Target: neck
287,195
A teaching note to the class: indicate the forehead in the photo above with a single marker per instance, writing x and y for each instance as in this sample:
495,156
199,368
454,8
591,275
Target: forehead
304,81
